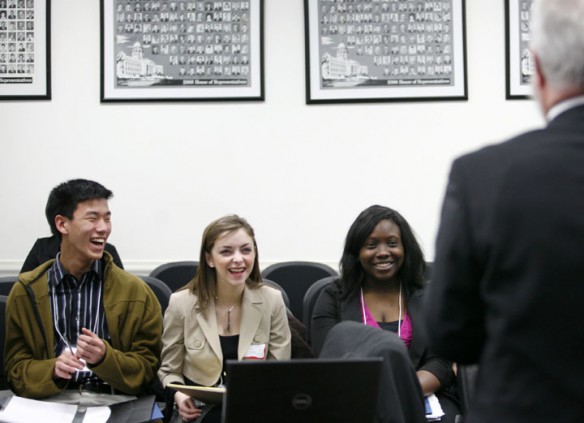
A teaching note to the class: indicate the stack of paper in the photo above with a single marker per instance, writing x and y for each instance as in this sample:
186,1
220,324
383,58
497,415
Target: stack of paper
23,410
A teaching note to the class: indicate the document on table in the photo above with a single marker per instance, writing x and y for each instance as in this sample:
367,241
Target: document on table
97,414
16,409
23,410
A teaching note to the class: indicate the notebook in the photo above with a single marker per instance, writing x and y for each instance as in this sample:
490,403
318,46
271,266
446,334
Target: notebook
306,390
207,394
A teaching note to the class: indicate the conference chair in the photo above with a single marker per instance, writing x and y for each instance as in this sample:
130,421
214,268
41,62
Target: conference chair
300,347
6,283
175,274
309,301
466,379
400,397
296,277
161,290
3,382
279,288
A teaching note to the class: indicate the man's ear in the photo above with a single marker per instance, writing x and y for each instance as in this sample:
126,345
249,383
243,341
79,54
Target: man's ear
541,87
62,224
539,79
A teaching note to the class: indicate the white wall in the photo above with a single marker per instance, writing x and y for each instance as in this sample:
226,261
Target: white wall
300,174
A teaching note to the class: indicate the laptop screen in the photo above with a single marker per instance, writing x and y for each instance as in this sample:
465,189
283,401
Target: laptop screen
305,390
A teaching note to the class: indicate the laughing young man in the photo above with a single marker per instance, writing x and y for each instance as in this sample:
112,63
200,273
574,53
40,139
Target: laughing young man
80,329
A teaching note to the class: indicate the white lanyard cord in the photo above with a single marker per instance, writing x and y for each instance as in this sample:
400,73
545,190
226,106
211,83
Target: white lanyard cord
399,319
56,321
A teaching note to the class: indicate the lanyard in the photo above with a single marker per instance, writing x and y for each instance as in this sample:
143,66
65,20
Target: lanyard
56,320
399,319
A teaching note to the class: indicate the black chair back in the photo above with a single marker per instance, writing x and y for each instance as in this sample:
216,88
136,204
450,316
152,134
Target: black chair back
6,283
161,290
466,379
3,382
176,274
310,300
279,288
296,277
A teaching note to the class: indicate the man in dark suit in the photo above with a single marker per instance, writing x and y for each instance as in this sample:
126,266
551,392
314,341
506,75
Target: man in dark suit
508,280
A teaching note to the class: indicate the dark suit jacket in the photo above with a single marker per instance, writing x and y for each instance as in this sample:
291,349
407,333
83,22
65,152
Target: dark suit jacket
508,278
45,249
330,310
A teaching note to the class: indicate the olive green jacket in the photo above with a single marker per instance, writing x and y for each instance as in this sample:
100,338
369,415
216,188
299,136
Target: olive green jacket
134,320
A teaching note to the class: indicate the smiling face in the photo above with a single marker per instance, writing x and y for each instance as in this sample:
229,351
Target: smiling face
382,254
232,257
84,236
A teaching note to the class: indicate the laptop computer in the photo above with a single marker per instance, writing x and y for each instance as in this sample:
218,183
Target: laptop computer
302,390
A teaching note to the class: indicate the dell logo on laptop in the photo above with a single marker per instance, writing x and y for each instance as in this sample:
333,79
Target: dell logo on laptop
301,401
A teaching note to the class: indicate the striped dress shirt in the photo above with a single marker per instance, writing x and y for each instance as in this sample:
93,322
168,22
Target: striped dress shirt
76,305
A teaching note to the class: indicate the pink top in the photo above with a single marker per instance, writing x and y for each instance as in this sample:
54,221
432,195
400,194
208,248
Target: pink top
406,332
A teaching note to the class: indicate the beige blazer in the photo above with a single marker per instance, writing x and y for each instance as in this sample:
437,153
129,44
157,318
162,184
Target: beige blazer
190,342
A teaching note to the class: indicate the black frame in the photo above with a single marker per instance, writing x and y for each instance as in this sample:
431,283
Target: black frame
179,82
31,39
361,85
518,59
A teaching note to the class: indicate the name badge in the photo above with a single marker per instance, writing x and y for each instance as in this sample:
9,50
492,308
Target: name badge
255,352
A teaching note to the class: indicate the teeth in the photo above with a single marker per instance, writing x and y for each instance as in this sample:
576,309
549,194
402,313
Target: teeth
98,240
237,270
383,265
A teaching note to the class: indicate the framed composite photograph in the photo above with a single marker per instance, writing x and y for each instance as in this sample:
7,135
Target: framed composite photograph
25,50
519,61
182,50
373,51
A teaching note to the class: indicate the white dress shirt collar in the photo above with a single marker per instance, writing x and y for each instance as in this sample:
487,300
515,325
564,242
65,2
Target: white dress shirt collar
564,106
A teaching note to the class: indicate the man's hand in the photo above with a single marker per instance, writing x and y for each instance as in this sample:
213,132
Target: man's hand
67,364
90,347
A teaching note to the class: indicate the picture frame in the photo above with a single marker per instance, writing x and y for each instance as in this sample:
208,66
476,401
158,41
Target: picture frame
519,65
182,50
371,51
25,50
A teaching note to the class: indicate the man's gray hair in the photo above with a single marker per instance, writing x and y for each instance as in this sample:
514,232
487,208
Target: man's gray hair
557,38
